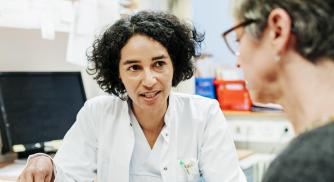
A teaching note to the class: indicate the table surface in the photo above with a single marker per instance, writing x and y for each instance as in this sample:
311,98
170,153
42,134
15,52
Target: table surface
10,170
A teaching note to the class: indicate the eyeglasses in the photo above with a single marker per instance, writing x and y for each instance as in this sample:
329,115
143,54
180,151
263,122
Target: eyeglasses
232,40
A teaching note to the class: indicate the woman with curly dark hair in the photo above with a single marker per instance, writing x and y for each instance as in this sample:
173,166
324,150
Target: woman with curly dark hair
147,132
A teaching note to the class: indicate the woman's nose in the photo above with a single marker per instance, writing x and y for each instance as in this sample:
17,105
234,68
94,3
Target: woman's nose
149,78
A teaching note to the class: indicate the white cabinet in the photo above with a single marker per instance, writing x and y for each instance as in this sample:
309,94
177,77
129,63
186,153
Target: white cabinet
266,132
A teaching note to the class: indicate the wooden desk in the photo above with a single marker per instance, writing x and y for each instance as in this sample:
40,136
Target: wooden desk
10,171
248,114
16,167
5,179
242,154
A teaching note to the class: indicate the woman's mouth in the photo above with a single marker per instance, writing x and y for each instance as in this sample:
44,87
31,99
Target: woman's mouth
150,96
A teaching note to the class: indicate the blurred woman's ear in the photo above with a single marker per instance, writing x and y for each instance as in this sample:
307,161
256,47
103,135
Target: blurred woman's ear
279,26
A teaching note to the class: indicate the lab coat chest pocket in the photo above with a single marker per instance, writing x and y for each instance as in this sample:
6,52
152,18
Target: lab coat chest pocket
187,170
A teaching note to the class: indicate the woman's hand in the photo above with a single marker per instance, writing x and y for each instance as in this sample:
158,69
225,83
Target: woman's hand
38,169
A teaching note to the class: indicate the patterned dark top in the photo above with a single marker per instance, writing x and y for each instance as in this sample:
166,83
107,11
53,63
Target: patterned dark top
308,158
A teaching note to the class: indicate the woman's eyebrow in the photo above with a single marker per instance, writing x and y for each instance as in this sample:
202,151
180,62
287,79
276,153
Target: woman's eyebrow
130,61
158,57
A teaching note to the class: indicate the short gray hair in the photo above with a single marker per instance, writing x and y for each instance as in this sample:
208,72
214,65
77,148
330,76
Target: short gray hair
312,23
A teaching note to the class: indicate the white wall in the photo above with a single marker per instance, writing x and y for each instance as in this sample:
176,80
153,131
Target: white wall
214,17
183,10
24,50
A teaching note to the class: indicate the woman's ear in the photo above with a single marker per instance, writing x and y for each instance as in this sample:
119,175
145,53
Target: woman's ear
279,26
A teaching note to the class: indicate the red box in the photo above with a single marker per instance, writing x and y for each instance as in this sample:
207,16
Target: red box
233,95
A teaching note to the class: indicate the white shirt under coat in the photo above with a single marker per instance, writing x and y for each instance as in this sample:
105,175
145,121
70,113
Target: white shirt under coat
145,162
101,143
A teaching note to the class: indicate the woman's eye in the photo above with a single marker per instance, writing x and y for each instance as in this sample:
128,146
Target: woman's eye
159,63
134,68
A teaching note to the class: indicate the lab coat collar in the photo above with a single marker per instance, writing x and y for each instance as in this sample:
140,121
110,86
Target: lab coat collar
167,118
169,115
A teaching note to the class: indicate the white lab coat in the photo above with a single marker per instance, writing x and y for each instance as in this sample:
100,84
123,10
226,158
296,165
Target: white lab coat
101,141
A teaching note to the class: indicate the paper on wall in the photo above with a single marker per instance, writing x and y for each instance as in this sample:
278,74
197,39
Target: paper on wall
14,13
91,17
76,49
67,12
48,25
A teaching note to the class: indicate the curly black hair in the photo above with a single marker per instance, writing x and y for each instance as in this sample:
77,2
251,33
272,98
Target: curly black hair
181,40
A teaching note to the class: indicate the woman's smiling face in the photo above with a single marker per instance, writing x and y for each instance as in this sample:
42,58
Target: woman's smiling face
146,71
